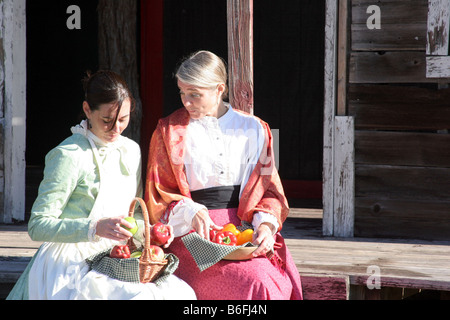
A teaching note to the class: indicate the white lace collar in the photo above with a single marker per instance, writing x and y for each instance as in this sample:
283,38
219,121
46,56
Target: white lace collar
82,129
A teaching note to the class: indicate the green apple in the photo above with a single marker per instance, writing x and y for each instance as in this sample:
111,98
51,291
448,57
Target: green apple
133,222
136,254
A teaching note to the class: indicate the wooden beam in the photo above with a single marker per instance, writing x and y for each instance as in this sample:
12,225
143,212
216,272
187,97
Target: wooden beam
117,50
342,58
325,287
240,53
344,177
389,67
438,67
397,107
151,75
329,114
438,27
13,45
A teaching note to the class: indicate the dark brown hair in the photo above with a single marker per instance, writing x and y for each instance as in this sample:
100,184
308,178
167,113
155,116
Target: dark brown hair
106,87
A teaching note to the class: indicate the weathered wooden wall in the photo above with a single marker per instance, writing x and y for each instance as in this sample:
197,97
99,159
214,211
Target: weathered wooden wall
401,118
12,110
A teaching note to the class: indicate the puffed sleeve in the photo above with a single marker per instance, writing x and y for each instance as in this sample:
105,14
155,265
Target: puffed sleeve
61,176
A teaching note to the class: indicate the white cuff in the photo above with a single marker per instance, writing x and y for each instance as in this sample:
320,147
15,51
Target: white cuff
92,231
261,217
182,214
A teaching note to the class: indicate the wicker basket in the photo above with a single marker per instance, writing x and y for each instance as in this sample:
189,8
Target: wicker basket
148,269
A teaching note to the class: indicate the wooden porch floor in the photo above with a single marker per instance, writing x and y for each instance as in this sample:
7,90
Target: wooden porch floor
331,268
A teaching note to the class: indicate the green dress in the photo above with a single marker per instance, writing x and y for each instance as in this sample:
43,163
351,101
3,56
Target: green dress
69,190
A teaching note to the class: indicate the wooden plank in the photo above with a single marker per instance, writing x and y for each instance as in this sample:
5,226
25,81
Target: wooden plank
402,148
317,287
407,183
408,202
392,11
438,27
393,107
404,37
388,67
240,53
438,67
344,184
354,256
379,217
342,58
403,263
329,114
403,26
13,30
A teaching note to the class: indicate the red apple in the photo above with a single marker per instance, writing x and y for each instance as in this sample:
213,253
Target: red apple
160,234
212,234
156,253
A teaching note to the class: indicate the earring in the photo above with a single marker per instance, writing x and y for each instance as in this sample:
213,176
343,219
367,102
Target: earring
89,124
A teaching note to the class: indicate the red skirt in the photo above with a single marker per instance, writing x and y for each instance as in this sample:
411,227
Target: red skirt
255,279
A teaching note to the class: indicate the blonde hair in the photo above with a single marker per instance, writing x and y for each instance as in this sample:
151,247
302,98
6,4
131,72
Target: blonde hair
203,69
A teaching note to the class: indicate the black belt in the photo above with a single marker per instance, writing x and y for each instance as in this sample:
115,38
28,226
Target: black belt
218,197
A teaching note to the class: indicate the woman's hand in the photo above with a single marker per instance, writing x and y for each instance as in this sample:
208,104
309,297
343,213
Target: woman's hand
264,238
202,223
111,228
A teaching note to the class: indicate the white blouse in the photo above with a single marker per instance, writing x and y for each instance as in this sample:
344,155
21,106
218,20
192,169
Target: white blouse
219,152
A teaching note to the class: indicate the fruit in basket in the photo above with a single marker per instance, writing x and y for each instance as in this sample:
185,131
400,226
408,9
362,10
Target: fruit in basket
120,252
132,221
232,228
226,238
245,236
156,253
160,234
136,254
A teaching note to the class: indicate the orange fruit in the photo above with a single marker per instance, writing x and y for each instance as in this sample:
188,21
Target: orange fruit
244,236
232,228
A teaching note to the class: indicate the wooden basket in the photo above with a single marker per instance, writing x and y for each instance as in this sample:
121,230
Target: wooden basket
149,270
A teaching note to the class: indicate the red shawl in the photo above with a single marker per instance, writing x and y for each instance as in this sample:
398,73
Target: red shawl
166,179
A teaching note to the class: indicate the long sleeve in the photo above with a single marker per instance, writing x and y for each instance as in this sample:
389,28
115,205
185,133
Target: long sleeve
59,191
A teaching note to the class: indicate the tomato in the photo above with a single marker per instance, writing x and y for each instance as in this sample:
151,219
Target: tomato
120,251
226,238
232,228
212,234
244,237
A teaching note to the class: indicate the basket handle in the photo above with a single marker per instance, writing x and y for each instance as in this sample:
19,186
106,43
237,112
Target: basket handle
145,215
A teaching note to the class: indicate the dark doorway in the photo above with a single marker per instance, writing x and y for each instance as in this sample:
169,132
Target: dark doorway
57,61
289,78
189,26
288,75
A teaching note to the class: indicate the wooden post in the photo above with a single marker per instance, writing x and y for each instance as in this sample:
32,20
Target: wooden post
342,58
338,154
117,50
344,177
240,53
438,59
13,109
329,114
438,27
